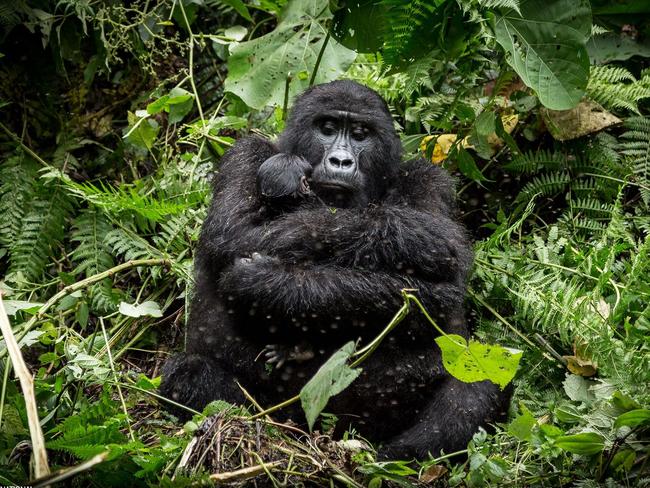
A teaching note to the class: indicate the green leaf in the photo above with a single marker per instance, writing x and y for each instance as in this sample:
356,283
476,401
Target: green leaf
484,126
587,443
466,163
331,379
633,418
240,7
478,362
546,46
177,103
522,426
13,306
149,308
577,388
142,131
360,25
180,104
616,47
259,69
82,313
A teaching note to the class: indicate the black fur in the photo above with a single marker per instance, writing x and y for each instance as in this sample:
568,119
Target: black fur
325,277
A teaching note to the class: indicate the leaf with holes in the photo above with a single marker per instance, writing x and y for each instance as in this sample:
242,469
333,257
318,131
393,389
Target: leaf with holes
473,361
258,70
546,45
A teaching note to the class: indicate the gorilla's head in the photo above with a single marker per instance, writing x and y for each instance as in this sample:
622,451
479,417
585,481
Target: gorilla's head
346,132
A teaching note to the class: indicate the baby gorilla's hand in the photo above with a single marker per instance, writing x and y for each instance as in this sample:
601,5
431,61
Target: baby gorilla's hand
256,258
277,354
283,177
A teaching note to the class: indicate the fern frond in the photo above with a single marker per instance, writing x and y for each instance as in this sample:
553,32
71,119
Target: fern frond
43,227
500,4
125,198
130,245
176,234
591,206
546,184
17,190
89,231
533,161
636,146
407,18
615,87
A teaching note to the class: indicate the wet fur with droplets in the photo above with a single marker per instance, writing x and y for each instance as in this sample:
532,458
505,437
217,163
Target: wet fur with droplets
300,274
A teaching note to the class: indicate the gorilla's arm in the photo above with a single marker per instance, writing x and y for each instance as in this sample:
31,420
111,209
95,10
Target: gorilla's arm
320,289
413,231
232,226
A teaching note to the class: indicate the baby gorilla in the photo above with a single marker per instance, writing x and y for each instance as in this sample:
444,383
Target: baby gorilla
306,246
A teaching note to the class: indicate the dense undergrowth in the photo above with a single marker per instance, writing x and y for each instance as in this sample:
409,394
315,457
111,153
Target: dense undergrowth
114,114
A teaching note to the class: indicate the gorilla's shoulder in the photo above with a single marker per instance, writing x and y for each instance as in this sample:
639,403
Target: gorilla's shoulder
422,180
250,145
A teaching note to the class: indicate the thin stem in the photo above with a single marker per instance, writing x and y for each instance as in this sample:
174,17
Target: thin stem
285,103
318,59
119,390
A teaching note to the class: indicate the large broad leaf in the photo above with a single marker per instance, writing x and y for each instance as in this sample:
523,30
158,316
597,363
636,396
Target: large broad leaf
587,443
473,361
360,25
546,45
259,69
331,379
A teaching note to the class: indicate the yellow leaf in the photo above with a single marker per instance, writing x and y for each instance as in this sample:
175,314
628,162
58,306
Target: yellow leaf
443,145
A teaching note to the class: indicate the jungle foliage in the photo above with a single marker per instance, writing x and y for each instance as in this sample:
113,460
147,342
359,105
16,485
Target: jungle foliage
113,115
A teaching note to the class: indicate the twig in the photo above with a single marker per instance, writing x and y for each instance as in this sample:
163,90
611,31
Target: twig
244,473
65,474
82,284
27,386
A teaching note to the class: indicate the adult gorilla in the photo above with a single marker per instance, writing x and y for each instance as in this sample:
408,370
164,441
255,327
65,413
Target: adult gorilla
306,246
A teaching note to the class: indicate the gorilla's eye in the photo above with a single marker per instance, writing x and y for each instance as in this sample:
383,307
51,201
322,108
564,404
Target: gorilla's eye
328,128
359,133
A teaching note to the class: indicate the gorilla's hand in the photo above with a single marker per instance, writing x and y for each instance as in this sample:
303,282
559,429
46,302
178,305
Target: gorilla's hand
255,259
283,177
278,354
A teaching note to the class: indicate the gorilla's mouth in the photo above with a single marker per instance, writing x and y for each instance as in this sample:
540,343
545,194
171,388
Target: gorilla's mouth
333,185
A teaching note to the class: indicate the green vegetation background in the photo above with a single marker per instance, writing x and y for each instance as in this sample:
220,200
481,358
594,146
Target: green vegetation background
113,114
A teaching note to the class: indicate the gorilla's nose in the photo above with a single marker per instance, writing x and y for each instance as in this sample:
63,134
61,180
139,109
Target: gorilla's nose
341,160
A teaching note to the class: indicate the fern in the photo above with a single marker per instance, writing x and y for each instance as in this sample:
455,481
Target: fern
615,87
636,146
89,231
125,198
17,176
407,19
42,228
175,235
130,246
92,256
534,161
546,184
499,4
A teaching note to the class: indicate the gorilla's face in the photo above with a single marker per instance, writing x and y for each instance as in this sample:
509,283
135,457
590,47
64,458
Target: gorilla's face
339,177
345,131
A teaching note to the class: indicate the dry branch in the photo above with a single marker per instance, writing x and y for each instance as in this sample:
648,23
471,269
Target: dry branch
27,386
